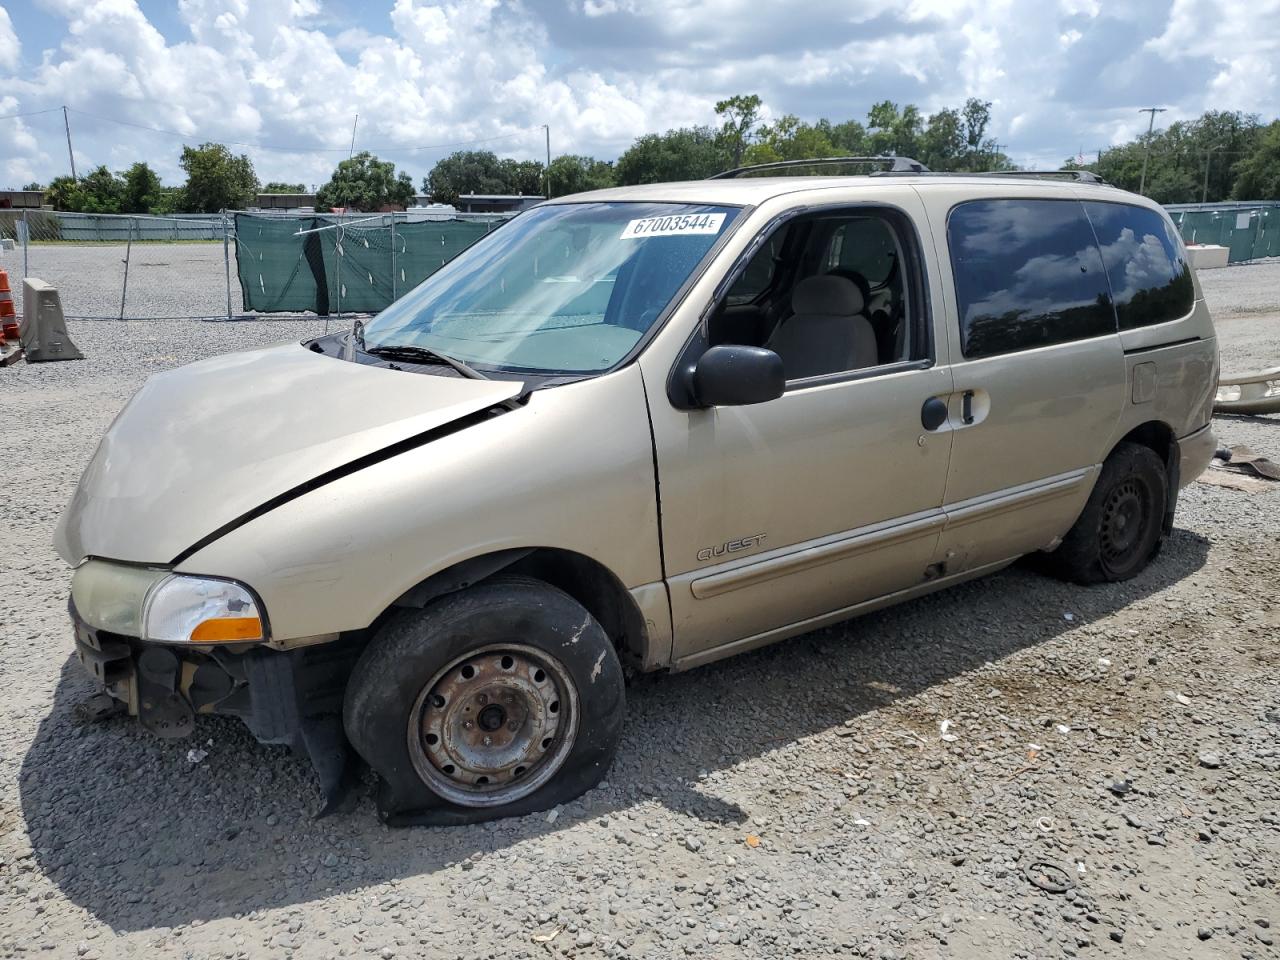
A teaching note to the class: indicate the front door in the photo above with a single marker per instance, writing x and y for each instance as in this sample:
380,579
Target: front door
778,514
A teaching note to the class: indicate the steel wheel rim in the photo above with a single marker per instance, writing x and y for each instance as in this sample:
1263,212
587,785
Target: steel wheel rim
493,725
1124,519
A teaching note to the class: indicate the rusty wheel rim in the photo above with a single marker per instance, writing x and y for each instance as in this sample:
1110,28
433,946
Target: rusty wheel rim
494,725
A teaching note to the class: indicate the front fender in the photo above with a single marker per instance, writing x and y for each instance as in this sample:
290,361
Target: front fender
571,469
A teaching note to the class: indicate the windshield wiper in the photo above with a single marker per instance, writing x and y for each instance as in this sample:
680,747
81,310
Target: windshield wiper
355,339
415,354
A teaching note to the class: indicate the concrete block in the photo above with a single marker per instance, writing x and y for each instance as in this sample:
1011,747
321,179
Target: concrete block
43,331
1207,256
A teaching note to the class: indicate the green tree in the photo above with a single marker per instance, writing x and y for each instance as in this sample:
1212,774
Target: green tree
141,190
1258,173
467,171
1187,161
169,200
956,140
570,173
366,183
790,138
976,117
1122,166
740,115
525,177
217,179
1221,140
279,186
136,190
33,186
943,144
690,153
63,193
99,191
895,132
849,137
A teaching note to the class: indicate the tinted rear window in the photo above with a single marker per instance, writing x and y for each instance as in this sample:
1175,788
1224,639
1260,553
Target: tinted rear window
1150,279
1028,274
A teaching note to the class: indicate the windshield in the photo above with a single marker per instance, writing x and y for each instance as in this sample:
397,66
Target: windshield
567,288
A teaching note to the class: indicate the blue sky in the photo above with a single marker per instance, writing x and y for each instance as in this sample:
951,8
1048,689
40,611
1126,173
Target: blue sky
142,77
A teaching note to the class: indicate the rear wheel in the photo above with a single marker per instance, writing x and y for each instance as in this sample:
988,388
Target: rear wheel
495,701
1121,526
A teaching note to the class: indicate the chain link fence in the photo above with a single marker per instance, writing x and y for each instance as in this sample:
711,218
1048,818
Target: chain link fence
238,265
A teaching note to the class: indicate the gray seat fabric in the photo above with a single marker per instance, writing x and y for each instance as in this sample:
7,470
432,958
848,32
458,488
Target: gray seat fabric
828,332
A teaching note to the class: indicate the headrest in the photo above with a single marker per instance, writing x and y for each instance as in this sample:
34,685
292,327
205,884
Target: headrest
827,294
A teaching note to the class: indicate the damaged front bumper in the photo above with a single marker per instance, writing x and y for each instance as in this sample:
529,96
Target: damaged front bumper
290,697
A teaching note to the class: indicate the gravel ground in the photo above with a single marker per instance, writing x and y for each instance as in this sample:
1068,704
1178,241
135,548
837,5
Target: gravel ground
165,279
1245,301
802,801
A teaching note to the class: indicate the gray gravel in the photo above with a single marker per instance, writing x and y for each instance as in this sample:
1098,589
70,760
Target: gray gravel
1245,301
165,279
800,801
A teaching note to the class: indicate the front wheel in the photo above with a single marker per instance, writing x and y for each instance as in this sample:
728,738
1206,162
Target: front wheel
496,701
1121,526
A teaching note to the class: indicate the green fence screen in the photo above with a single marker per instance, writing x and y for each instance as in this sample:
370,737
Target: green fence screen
1250,232
349,269
362,268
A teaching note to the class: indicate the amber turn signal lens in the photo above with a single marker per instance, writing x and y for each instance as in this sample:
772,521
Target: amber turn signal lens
227,630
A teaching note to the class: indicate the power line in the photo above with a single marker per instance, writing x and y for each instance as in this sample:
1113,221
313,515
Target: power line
32,113
268,146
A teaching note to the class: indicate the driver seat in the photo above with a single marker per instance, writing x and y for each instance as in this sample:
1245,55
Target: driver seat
828,331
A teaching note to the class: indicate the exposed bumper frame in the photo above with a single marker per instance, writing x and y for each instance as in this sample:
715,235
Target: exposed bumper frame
284,697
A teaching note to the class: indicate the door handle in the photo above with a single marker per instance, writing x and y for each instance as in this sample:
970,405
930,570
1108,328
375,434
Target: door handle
966,407
934,413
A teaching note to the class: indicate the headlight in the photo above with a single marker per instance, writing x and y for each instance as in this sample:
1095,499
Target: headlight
182,609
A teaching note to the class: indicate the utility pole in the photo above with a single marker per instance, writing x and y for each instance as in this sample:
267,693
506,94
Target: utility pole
70,155
1146,152
352,151
547,130
1208,156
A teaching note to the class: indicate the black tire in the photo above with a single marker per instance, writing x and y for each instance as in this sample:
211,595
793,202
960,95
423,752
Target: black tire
412,680
1122,525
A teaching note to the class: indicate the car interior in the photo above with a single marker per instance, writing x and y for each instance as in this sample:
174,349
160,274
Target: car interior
825,293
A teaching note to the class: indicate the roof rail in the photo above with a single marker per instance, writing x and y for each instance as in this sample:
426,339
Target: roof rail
1082,176
895,164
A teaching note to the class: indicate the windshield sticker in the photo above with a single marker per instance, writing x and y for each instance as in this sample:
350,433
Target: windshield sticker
683,225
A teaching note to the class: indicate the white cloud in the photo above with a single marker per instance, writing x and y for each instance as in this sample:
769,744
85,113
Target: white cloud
1243,41
1061,75
10,48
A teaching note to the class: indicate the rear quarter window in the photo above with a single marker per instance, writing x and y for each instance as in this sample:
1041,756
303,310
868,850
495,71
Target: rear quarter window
1028,274
1150,278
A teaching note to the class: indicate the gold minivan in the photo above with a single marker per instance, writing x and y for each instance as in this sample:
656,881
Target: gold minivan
634,430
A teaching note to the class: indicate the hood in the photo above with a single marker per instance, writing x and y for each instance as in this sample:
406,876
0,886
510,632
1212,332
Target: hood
200,446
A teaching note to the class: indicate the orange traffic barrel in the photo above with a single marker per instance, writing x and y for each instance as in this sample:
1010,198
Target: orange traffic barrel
8,319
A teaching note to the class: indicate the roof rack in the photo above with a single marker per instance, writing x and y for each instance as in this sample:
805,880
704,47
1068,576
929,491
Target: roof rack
1082,176
895,165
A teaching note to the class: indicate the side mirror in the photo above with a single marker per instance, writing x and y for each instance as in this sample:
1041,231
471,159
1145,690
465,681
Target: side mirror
732,375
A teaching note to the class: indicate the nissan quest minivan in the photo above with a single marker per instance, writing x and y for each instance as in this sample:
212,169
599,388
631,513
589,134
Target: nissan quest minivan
633,430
